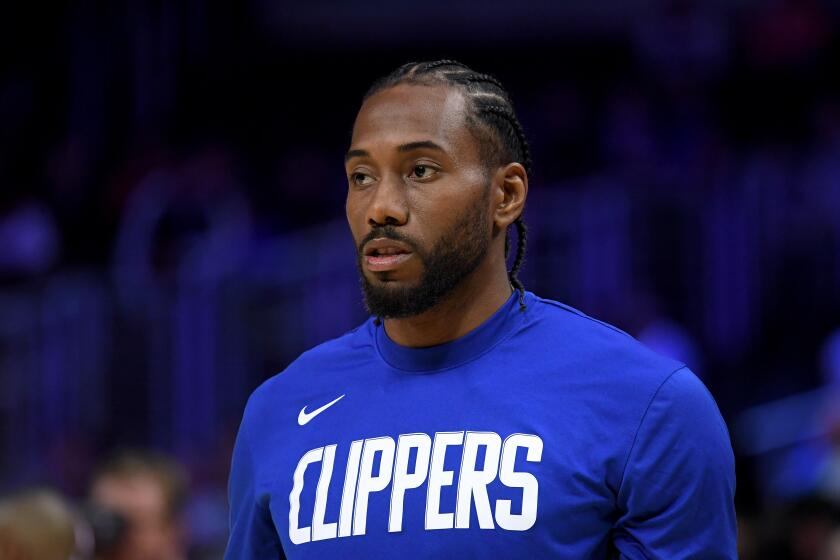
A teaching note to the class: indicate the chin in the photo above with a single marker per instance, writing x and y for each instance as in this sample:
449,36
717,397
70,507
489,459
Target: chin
389,279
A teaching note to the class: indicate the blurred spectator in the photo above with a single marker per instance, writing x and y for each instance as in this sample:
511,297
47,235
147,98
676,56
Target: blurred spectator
832,547
148,490
36,525
803,530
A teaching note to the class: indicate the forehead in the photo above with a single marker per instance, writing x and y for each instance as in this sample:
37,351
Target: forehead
130,493
408,113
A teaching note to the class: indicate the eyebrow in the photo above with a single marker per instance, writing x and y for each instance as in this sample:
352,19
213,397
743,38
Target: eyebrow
402,148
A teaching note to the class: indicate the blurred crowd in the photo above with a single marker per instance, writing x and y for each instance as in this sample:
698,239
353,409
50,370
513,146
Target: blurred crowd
171,234
134,510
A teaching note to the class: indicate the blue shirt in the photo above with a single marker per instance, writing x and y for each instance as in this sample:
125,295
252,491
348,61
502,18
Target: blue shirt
542,433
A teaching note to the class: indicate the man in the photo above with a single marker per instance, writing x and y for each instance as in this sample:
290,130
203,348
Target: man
148,491
469,418
36,525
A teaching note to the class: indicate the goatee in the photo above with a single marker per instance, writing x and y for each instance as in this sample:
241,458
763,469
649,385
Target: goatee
456,254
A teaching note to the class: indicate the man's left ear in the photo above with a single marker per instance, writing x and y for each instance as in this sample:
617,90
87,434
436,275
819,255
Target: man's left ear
510,190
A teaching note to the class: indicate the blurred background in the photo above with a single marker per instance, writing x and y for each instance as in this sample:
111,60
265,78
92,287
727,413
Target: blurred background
172,230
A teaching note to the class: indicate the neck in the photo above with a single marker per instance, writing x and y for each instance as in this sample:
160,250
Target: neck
471,303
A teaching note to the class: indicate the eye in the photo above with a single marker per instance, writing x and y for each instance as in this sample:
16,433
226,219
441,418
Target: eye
423,171
360,179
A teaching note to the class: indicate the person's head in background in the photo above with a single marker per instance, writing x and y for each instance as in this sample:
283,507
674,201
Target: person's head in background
831,551
148,490
36,525
809,523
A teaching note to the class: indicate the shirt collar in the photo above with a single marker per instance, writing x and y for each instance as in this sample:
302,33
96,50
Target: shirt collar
470,346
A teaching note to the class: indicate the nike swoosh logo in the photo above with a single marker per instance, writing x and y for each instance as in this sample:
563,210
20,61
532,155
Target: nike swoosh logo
305,417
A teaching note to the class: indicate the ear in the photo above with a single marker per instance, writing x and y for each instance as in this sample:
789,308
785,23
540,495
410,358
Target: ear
510,188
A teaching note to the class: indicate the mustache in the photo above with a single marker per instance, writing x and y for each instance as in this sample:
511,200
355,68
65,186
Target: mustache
388,232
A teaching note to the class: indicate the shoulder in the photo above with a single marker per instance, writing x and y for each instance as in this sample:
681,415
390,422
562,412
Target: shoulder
560,312
610,372
676,493
579,339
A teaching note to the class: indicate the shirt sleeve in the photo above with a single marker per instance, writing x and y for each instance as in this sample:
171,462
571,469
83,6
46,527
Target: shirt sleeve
252,532
676,498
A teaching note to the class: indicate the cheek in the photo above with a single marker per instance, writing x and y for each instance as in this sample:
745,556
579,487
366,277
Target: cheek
355,216
439,211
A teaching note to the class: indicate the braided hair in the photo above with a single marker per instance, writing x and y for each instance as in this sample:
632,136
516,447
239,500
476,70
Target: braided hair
490,118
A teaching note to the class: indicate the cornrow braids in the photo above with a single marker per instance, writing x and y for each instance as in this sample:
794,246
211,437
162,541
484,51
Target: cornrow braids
491,119
513,275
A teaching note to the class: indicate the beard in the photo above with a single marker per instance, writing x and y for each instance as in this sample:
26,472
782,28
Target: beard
457,253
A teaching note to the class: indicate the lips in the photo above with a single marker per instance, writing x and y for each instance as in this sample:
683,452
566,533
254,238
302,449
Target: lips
386,254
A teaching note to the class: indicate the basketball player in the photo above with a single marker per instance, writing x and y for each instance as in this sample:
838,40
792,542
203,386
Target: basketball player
468,417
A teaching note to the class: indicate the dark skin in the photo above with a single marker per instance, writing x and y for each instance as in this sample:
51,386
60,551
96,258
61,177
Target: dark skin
422,191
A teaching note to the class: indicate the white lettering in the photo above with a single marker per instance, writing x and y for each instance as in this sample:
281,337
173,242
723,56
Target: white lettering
368,483
402,479
438,478
472,482
300,535
321,530
348,495
375,463
524,480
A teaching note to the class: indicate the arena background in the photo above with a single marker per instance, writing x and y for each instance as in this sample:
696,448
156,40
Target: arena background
172,229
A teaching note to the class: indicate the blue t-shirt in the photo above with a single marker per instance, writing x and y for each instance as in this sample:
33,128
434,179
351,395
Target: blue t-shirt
542,433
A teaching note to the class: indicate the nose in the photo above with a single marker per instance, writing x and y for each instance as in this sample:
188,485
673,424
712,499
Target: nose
389,205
